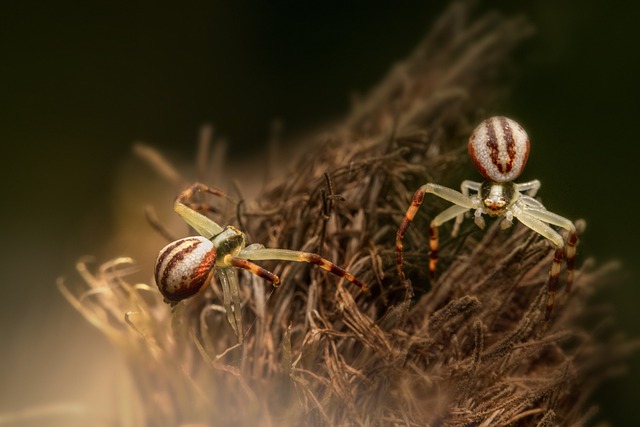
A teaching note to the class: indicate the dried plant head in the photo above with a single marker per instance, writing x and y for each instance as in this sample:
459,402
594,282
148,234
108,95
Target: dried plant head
469,348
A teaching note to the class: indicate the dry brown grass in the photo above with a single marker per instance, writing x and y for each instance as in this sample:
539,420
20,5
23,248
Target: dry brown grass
471,348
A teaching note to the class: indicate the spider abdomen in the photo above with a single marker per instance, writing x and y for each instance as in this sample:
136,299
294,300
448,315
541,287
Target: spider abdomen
499,147
183,266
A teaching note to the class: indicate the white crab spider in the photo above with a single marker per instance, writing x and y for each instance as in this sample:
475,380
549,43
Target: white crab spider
184,267
499,147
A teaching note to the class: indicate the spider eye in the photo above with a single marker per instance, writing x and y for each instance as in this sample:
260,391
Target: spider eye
495,204
183,267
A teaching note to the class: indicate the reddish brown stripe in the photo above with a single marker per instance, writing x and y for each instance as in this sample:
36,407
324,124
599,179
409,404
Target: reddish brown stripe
492,143
559,255
402,230
433,261
399,256
399,247
511,145
207,263
432,268
313,258
550,302
162,255
418,197
337,270
177,257
553,283
325,264
416,201
526,154
478,163
433,250
255,269
165,253
358,283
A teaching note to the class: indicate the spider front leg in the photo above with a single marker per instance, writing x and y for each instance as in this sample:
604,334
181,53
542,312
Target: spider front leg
203,225
454,211
529,187
448,194
261,253
539,212
533,218
231,293
465,187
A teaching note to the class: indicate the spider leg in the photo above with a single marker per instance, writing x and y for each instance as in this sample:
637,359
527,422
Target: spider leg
531,186
530,202
465,187
230,294
203,225
245,264
554,274
455,211
230,290
572,241
448,194
257,253
198,186
201,207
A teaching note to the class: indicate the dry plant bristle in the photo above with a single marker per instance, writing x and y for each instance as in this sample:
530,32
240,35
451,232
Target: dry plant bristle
471,348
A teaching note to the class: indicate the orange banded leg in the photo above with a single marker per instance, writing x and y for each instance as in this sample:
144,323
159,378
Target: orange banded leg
327,265
298,256
462,203
253,268
535,219
554,277
448,214
572,242
418,197
198,187
542,215
433,249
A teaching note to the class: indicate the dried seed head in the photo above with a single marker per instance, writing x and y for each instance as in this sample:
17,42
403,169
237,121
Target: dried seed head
183,266
499,147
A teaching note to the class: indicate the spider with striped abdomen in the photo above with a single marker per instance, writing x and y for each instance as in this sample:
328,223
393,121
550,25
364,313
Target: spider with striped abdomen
184,267
499,147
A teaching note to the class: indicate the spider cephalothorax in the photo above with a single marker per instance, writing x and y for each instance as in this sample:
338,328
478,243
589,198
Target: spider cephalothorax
499,147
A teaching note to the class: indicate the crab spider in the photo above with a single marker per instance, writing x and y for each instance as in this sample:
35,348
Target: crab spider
184,267
499,148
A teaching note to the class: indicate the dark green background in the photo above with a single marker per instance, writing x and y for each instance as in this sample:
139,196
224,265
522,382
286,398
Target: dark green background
79,81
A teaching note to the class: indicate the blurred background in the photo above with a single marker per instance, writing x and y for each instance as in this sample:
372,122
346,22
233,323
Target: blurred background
81,81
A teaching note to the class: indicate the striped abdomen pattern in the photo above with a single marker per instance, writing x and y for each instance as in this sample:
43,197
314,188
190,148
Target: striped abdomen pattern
499,147
183,266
